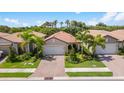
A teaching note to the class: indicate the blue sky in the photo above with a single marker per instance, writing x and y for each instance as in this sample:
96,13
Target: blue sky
18,19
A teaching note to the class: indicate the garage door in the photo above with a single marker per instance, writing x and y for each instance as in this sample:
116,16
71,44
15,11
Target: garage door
109,49
54,50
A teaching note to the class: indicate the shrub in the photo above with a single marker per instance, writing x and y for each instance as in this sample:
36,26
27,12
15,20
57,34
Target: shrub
121,51
25,56
34,59
12,55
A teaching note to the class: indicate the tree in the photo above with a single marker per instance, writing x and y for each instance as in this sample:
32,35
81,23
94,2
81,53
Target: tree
55,23
84,37
97,41
61,23
4,28
67,22
101,24
30,39
74,23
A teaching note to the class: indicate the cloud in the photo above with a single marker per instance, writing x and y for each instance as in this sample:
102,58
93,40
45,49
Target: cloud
108,17
119,17
25,24
92,22
15,21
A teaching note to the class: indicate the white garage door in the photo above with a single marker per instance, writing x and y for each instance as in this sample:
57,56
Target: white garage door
54,50
109,49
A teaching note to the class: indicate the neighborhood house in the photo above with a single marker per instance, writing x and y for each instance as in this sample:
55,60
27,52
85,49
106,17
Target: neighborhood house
59,42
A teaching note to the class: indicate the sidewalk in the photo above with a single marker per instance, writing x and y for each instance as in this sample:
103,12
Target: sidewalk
105,69
17,70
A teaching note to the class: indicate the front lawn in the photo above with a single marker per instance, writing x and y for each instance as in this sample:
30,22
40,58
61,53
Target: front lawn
85,64
24,64
21,74
88,74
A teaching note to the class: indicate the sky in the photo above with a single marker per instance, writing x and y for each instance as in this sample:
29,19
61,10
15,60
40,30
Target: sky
22,19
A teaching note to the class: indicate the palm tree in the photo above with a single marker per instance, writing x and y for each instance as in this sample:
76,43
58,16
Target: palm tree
61,23
67,22
30,39
84,37
55,23
97,41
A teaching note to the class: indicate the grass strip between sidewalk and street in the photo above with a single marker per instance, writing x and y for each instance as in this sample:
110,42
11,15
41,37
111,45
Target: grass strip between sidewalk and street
18,74
89,74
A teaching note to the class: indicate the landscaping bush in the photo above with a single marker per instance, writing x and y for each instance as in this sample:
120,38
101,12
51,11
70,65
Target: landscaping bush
12,55
75,58
25,56
121,51
34,59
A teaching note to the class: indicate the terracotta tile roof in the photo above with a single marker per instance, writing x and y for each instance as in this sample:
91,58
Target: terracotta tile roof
101,32
4,34
16,39
39,34
119,34
66,37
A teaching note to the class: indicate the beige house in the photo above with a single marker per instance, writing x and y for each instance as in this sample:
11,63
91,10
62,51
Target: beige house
7,40
58,43
114,40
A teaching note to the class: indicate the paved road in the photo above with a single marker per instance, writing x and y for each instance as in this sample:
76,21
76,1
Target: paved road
50,68
115,63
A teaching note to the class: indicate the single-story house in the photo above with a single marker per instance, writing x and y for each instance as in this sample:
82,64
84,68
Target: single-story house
7,40
58,43
114,40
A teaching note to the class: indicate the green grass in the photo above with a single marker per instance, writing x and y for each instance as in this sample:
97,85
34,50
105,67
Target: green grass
15,74
92,63
20,64
88,74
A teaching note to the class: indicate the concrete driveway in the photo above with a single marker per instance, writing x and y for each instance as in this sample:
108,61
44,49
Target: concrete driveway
50,67
115,63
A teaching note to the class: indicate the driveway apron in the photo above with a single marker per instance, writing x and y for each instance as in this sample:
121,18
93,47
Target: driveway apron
50,68
115,63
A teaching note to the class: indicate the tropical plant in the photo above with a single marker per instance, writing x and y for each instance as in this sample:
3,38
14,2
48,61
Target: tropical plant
61,23
73,23
97,41
67,22
85,38
12,55
55,23
31,39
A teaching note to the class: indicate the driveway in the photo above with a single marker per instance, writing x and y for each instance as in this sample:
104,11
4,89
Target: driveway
52,67
115,63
